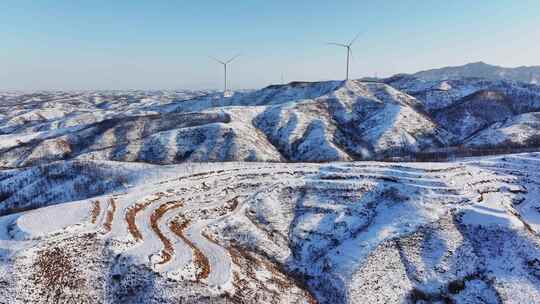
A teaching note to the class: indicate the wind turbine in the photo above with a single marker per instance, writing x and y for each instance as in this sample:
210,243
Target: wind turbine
225,63
348,47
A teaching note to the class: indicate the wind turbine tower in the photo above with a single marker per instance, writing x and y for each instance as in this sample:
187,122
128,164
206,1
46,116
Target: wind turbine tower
349,52
225,63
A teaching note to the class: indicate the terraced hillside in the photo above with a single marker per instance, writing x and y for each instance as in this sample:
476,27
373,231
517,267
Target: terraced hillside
369,232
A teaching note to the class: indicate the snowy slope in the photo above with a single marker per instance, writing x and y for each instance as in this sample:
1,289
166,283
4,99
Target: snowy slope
356,121
59,182
467,106
152,138
357,232
475,112
518,131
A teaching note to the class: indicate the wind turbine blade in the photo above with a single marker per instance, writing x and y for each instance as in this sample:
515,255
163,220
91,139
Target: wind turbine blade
230,60
354,39
216,60
338,44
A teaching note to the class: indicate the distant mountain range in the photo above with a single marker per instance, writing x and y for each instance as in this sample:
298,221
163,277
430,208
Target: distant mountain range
527,74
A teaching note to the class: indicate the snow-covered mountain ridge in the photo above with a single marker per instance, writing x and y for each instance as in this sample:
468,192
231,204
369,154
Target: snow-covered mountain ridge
321,121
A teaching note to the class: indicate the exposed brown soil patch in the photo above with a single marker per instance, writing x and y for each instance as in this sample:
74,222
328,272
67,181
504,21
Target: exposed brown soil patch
200,260
168,249
96,210
130,219
110,215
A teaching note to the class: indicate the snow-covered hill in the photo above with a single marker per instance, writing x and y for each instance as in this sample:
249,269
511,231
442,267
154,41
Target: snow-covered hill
357,232
355,121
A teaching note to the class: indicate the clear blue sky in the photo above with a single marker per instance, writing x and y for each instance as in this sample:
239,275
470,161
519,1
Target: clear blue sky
67,44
